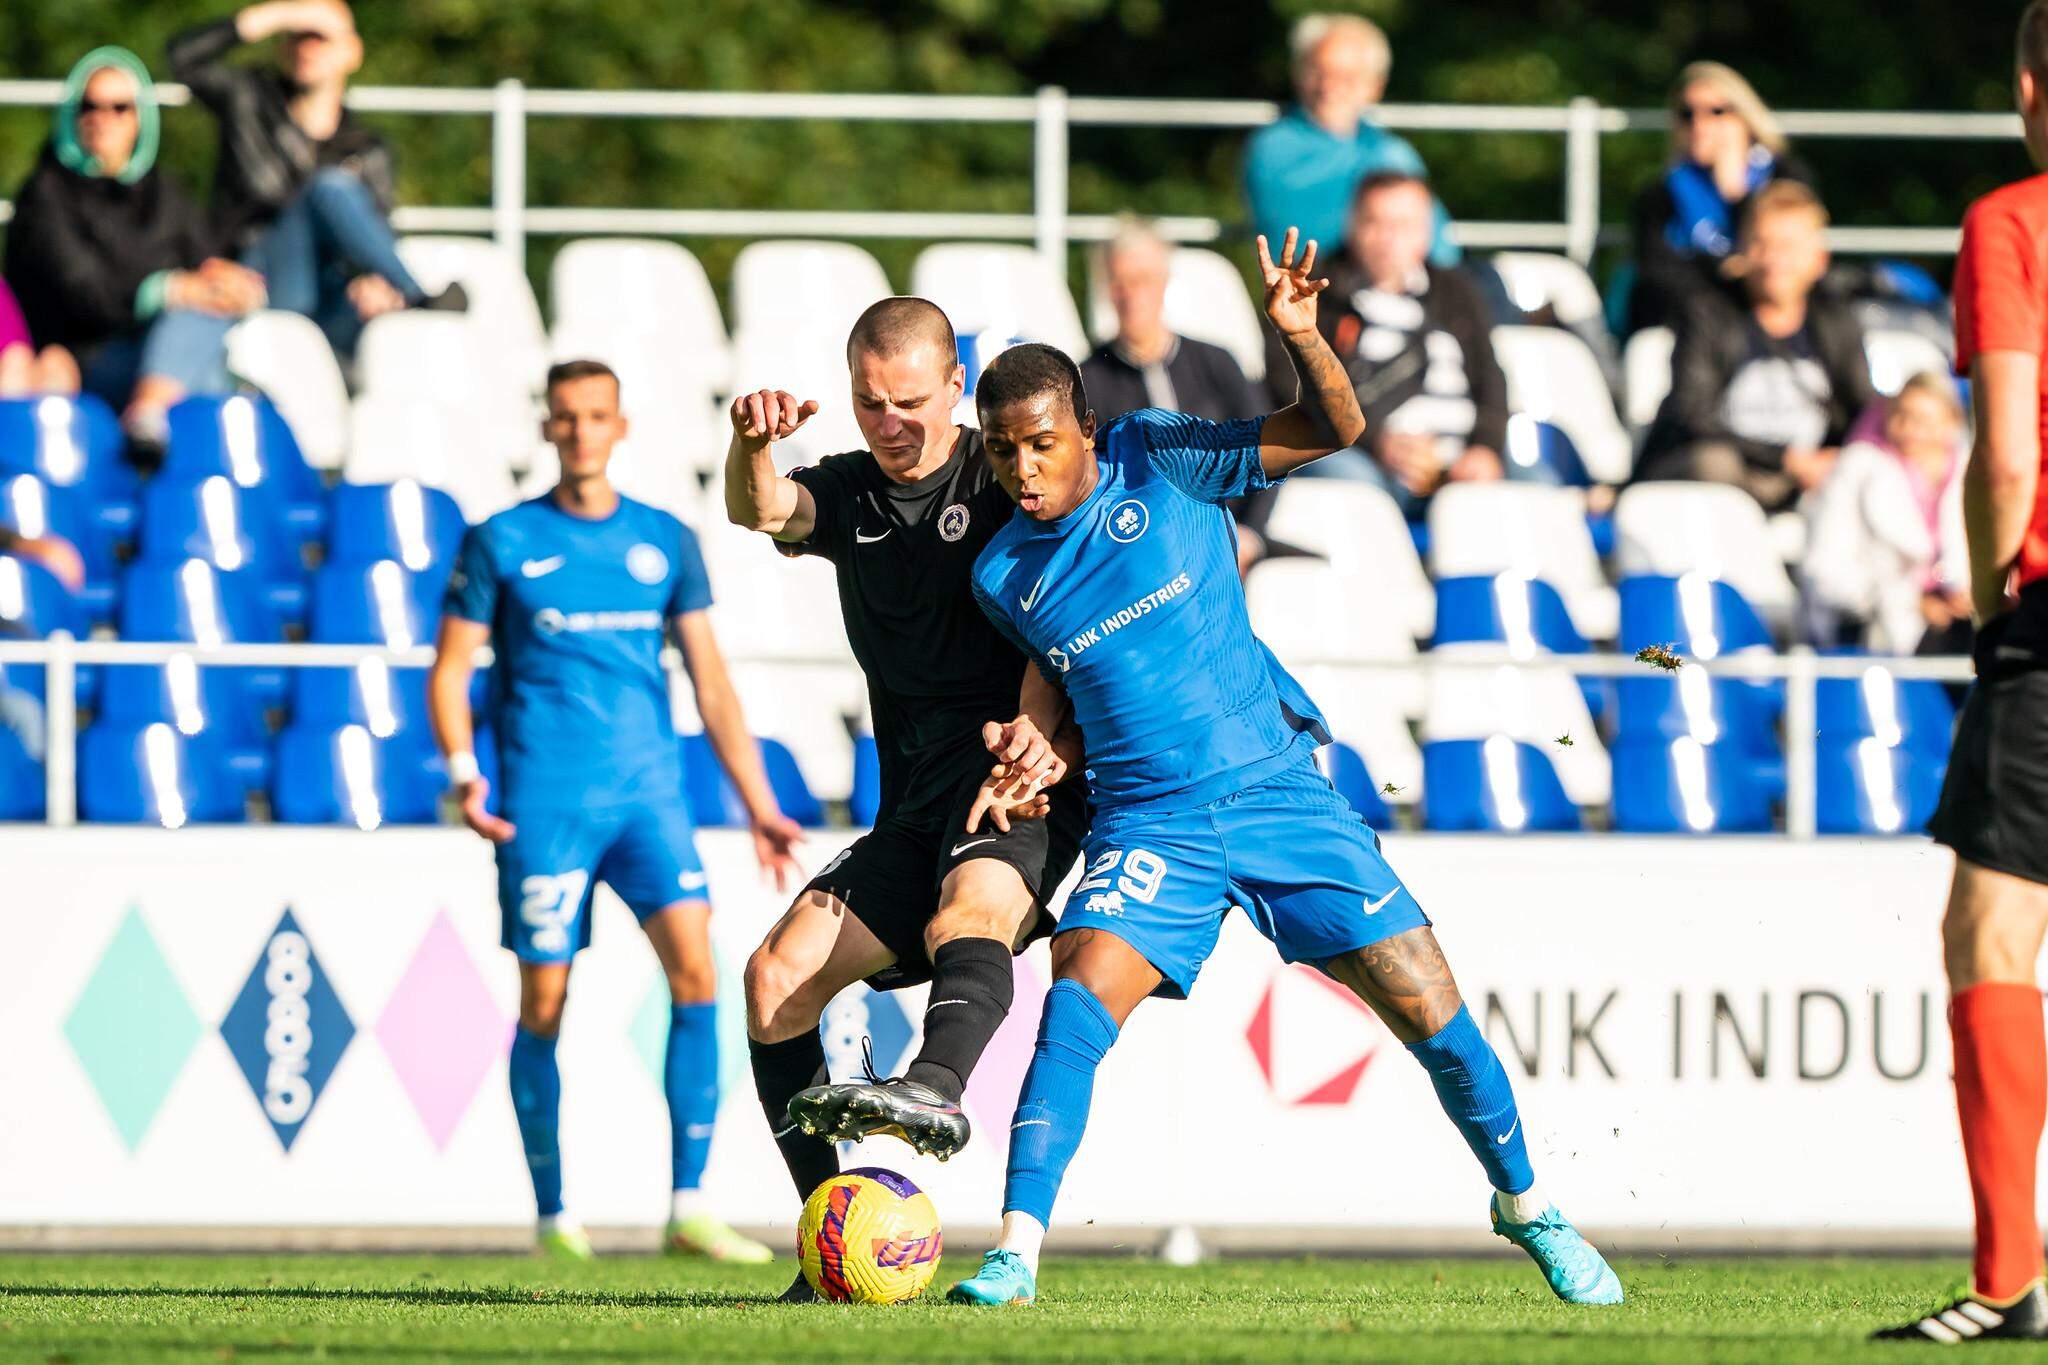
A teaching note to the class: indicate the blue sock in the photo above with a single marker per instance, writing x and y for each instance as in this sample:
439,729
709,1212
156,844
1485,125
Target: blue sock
537,1100
690,1080
1473,1088
1052,1110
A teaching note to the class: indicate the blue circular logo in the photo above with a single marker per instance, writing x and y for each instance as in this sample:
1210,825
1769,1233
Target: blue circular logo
1127,521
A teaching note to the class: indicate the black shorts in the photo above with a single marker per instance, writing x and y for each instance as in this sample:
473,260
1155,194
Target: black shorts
889,878
1994,799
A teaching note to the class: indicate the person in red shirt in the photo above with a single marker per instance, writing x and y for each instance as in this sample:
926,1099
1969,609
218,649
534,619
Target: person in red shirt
1994,800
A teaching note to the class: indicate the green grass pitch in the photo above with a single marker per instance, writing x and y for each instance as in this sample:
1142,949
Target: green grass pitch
359,1308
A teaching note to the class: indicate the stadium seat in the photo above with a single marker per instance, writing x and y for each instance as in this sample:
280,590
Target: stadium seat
1533,704
1646,374
376,603
1206,298
389,702
153,775
644,286
1554,377
715,804
392,438
1911,713
864,802
1681,786
434,356
1493,784
1363,535
1674,528
405,520
213,520
1896,355
195,603
32,507
1527,530
287,356
1536,280
1524,614
21,778
246,440
1345,767
34,604
807,293
503,312
71,443
1000,287
217,703
349,776
1865,786
1543,449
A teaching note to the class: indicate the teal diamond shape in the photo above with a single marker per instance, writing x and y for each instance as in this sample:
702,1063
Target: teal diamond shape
649,1029
132,1029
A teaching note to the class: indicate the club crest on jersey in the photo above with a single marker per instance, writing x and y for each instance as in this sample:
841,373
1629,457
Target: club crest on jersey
1127,521
1058,657
646,563
953,522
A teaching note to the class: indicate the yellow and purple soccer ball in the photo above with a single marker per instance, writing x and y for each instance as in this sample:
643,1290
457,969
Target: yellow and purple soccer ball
869,1236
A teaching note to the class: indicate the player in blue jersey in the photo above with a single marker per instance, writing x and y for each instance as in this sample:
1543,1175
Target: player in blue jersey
1119,579
576,590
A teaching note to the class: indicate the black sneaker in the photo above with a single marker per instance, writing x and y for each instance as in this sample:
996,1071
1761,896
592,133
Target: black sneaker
918,1114
799,1292
1970,1318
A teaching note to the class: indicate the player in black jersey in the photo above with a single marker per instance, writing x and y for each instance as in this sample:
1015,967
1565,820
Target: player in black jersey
922,896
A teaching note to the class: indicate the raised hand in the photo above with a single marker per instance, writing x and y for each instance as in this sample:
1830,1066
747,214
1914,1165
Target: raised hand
1291,288
769,415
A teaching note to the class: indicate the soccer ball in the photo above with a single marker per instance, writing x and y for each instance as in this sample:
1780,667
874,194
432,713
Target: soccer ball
869,1236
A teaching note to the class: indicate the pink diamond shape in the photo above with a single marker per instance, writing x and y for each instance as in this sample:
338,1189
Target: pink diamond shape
442,1031
999,1075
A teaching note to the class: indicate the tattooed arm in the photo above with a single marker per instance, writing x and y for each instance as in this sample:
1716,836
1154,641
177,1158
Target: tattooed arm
1407,981
1325,415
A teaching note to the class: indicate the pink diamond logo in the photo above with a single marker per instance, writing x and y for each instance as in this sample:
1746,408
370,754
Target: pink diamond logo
442,1031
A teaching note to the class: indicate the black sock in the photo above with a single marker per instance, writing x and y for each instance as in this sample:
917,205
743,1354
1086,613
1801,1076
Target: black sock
780,1070
971,992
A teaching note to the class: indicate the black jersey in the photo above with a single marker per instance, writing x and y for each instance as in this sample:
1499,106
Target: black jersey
937,669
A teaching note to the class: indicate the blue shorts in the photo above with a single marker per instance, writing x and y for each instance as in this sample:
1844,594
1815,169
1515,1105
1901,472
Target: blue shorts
1289,851
646,854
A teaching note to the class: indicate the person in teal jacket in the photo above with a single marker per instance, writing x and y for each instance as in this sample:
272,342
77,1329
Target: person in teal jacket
1300,170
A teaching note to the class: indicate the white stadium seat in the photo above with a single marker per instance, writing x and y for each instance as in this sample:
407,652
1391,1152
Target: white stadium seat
643,287
417,437
1646,374
1363,535
286,355
1000,288
1674,528
803,292
1535,705
1538,279
1896,355
434,356
1531,531
507,345
1206,299
1554,377
1325,630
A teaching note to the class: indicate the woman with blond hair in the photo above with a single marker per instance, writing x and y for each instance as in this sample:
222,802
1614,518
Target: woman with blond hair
1725,146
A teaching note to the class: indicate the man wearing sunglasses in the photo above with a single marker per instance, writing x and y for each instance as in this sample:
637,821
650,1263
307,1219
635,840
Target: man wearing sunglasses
302,191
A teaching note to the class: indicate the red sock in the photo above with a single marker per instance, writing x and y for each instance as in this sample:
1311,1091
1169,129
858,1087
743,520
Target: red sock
2002,1096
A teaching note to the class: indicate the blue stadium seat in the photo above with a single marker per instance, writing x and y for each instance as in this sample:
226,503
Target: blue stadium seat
1915,712
390,701
34,507
420,527
348,776
376,603
1865,786
1493,784
33,603
1345,767
1544,448
1680,786
715,804
865,801
213,519
153,775
220,703
21,778
246,439
195,603
71,443
1525,614
1702,619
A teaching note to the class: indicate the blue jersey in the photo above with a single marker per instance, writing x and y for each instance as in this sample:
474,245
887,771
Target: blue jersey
577,610
1132,603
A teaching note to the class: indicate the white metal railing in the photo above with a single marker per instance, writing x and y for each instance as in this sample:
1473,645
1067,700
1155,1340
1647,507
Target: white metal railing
1799,667
1584,124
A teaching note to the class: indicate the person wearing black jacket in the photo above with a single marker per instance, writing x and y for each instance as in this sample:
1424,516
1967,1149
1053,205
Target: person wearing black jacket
1147,365
1416,341
112,262
302,191
1767,377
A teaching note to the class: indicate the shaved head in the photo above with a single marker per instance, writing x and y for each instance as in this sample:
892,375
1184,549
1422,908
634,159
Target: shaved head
899,325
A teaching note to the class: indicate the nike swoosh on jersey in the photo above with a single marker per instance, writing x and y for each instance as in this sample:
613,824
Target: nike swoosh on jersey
1373,907
541,568
869,540
1029,602
1503,1138
959,848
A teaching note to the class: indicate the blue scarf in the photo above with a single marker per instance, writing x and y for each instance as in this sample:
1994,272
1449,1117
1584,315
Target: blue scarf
1702,222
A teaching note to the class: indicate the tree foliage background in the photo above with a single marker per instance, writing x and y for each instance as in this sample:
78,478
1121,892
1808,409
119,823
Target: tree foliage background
1809,54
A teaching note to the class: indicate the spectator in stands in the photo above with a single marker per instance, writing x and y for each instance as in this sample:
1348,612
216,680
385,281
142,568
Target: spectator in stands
111,260
24,370
1766,378
1725,146
1886,564
302,192
1415,338
1301,169
1145,365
